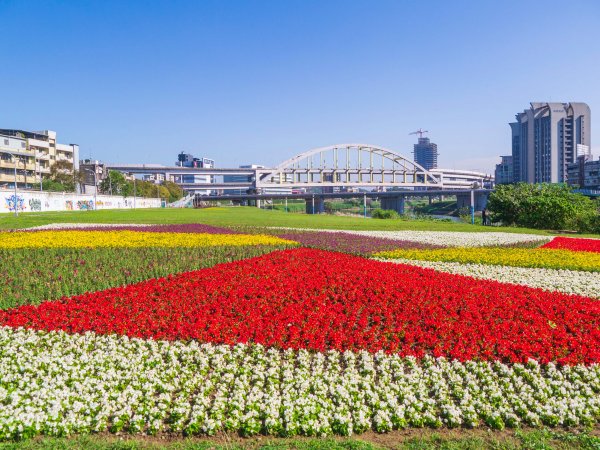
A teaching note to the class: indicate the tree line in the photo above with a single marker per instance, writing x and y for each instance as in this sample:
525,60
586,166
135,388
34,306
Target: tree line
63,178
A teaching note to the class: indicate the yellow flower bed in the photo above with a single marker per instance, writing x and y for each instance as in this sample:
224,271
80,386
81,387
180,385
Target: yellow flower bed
518,257
72,239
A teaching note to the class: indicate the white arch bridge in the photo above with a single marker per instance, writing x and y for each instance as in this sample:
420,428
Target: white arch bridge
348,165
336,167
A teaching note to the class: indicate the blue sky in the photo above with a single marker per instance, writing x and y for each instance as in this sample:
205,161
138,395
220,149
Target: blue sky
260,81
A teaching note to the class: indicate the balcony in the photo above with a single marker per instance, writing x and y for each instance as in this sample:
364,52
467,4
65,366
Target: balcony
8,164
64,148
19,152
61,157
11,178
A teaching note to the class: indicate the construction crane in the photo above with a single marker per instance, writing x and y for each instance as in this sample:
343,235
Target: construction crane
420,132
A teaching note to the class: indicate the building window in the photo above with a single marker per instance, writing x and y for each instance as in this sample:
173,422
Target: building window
6,142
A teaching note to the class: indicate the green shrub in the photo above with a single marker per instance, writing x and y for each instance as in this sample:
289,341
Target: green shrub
543,206
384,214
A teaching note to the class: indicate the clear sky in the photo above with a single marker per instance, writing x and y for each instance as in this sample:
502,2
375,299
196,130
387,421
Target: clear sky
259,81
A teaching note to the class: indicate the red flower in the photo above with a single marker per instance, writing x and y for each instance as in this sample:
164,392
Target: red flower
304,298
574,244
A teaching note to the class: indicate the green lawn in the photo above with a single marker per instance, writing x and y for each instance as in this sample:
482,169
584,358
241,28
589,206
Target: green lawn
424,439
240,216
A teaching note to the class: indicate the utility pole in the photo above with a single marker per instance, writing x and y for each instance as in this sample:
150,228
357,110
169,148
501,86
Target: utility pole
472,206
16,208
95,190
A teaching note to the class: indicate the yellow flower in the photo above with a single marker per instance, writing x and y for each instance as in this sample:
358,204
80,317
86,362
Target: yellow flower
517,257
73,239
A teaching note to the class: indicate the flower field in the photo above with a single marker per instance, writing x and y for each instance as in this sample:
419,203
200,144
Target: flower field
562,280
578,245
57,383
516,257
126,238
72,271
448,238
195,330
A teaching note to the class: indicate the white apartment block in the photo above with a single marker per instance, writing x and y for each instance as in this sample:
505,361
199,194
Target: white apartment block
34,153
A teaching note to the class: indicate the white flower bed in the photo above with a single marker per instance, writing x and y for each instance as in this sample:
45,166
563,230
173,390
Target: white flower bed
68,226
568,281
54,383
447,238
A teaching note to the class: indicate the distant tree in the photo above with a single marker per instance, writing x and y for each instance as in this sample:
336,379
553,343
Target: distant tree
175,191
114,183
120,186
62,178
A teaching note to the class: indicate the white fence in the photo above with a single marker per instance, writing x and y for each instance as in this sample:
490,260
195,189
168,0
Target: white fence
59,201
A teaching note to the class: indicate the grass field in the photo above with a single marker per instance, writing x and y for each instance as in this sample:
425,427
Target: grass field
241,216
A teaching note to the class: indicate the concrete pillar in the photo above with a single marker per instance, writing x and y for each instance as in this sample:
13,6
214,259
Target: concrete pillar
463,200
318,203
393,203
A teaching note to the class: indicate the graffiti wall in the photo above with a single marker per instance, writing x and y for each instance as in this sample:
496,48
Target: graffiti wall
58,201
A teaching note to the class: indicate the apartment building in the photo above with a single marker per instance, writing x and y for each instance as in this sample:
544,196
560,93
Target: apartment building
546,138
504,170
34,152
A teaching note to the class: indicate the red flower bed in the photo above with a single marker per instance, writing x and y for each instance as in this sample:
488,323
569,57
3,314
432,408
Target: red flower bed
574,244
306,298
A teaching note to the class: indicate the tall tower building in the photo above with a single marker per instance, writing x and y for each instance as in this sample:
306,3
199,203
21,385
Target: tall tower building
546,138
426,153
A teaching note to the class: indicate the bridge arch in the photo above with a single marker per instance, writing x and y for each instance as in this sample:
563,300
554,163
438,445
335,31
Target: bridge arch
349,165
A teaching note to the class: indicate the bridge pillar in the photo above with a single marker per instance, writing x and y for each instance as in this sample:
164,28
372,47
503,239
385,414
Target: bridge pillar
394,203
463,200
315,205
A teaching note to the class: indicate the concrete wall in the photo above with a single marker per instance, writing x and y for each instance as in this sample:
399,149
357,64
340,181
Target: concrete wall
58,201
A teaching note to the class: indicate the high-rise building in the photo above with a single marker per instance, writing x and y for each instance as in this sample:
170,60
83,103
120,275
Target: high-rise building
504,170
426,153
35,152
546,138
